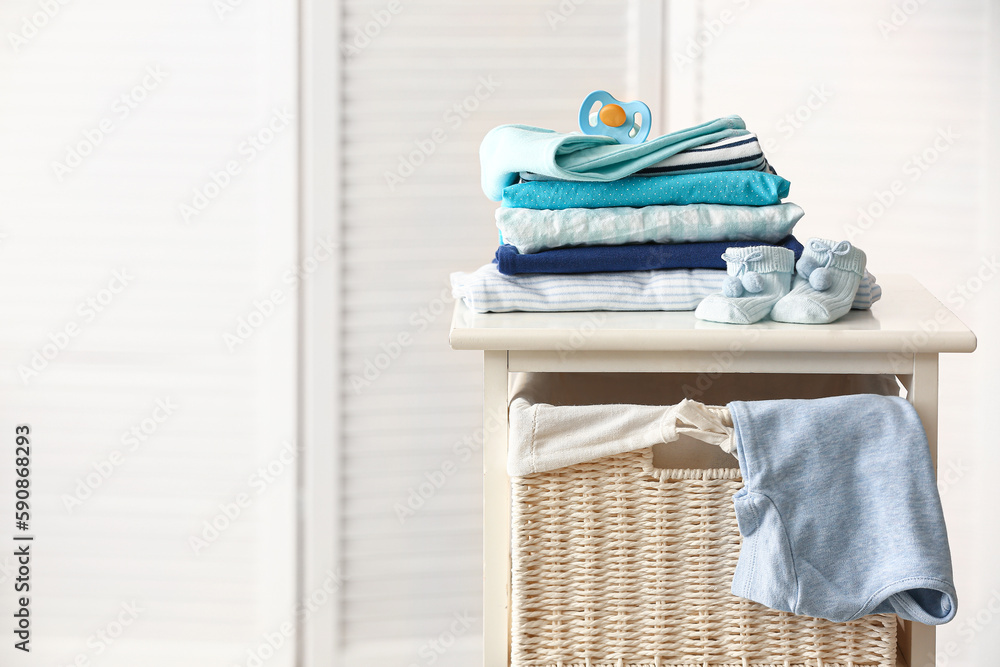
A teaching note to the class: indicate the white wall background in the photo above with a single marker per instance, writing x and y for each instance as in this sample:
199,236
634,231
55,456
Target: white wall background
161,337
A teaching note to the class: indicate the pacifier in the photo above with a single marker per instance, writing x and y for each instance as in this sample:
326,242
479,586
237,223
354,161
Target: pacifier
625,122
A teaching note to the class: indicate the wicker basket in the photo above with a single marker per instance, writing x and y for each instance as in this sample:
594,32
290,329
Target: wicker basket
619,564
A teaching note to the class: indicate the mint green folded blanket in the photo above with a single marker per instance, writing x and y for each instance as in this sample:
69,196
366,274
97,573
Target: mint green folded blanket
733,188
510,149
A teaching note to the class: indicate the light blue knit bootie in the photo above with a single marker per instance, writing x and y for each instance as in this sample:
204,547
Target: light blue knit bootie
828,275
758,277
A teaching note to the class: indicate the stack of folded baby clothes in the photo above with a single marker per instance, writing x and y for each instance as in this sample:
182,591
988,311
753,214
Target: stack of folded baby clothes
587,223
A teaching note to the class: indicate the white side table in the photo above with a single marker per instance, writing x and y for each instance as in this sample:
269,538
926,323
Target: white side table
903,334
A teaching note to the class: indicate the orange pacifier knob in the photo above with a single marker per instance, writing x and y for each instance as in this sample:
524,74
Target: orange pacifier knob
612,115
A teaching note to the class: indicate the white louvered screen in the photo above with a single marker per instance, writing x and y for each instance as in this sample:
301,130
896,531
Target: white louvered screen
848,99
414,585
159,339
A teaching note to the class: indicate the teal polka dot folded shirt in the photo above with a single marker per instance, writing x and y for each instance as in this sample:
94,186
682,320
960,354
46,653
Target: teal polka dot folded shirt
737,188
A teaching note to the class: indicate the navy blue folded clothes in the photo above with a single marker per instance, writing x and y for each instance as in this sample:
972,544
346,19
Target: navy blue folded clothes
839,512
638,257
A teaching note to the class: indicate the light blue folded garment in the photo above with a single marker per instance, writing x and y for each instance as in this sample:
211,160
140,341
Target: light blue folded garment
534,230
732,188
509,149
839,512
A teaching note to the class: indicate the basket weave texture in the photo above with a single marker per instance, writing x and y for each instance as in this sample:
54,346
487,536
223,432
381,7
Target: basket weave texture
618,564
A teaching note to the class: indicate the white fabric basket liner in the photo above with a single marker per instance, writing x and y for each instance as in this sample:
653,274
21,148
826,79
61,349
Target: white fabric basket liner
558,419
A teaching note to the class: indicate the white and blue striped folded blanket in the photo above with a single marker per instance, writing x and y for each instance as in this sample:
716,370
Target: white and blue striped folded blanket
487,290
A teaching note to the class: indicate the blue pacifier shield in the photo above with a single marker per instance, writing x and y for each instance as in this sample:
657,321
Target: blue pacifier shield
616,119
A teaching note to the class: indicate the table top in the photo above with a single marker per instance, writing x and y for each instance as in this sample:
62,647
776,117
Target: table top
908,319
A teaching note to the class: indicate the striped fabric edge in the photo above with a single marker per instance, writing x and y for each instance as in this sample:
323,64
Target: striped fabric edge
869,292
486,290
749,163
743,140
741,153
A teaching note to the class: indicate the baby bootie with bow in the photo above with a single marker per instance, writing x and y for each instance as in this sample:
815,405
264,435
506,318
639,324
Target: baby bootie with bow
758,277
828,275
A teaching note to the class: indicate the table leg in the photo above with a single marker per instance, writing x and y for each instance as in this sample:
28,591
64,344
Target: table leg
918,640
496,513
